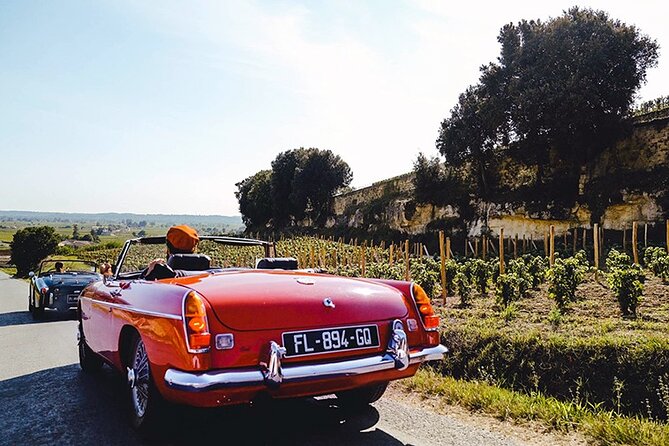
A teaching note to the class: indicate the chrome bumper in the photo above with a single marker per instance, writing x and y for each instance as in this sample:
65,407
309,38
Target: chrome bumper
201,382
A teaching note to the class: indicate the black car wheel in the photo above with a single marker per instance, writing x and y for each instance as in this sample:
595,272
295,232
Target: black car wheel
146,403
362,396
38,312
88,360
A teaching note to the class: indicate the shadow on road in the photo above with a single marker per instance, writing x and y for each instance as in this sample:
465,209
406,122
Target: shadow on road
24,317
65,406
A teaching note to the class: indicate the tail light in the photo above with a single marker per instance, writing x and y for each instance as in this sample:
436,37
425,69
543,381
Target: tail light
196,326
430,320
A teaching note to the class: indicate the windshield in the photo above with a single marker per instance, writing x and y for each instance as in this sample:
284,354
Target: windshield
222,256
67,267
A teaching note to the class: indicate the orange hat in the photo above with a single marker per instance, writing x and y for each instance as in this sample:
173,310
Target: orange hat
183,238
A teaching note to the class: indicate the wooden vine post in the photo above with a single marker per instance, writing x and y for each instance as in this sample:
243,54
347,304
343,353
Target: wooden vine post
448,248
484,246
362,257
501,250
442,257
552,245
515,247
407,272
585,238
645,235
667,229
546,254
624,240
392,254
595,238
565,240
635,250
476,247
575,240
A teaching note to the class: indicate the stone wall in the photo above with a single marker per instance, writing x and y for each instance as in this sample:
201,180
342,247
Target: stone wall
647,148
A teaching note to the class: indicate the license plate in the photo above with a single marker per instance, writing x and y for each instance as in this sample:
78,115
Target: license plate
314,342
72,298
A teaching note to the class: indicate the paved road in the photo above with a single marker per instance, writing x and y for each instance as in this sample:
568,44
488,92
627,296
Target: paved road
46,399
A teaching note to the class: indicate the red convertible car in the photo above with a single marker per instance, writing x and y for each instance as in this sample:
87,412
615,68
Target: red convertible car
221,336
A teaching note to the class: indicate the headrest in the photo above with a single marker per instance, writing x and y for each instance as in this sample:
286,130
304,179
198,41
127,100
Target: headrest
189,262
276,263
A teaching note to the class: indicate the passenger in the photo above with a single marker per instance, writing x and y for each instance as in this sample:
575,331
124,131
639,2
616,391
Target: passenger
59,267
180,240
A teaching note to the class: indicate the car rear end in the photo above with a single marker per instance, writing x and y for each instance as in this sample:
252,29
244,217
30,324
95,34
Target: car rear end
287,335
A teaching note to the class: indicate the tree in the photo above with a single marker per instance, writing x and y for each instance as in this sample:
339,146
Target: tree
255,199
319,176
75,232
559,93
30,245
301,184
283,172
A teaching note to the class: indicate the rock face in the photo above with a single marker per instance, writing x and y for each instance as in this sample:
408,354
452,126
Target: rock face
625,183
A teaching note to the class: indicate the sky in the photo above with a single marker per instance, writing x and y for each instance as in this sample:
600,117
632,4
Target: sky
162,106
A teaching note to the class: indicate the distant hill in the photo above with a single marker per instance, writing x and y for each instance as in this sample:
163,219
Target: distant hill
234,222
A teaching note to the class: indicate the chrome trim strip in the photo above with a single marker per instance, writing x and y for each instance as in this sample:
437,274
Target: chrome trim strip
201,382
133,309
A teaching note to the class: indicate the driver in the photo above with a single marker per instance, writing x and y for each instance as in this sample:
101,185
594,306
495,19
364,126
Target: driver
59,267
180,239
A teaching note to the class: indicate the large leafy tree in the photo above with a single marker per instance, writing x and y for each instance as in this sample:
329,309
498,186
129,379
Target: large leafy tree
284,167
255,201
30,245
301,184
319,176
559,93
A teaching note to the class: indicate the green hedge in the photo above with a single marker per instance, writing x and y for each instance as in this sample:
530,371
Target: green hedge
620,374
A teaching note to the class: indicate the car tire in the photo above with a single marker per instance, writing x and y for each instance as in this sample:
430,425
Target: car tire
38,313
146,404
362,396
88,360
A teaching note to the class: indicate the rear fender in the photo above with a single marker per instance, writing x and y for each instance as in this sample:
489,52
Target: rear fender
405,288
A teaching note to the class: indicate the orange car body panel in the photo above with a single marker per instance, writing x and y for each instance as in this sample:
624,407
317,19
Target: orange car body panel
260,305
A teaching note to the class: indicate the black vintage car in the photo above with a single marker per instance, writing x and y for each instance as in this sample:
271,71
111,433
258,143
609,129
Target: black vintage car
58,283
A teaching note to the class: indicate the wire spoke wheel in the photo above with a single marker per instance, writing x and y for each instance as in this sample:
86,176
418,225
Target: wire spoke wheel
139,380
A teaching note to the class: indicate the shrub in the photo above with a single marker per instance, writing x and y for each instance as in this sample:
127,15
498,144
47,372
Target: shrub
627,285
507,289
383,270
657,260
521,270
427,273
451,270
463,288
553,364
617,260
537,267
31,245
478,273
563,278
